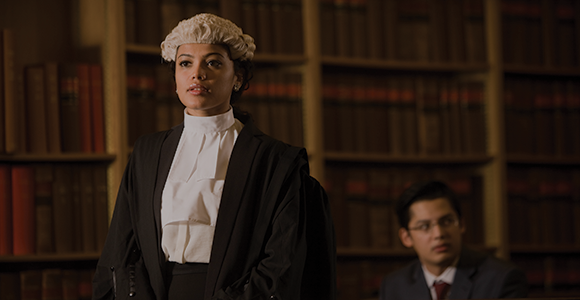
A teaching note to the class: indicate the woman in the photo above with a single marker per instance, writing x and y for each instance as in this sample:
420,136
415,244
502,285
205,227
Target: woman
213,208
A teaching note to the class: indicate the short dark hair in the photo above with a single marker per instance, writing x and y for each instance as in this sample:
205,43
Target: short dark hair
424,190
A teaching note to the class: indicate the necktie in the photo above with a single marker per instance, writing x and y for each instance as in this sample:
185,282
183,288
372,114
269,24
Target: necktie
441,288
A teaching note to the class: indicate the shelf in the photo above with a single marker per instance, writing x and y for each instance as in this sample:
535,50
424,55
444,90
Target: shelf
533,249
407,159
63,157
540,70
369,252
258,58
50,257
529,159
363,63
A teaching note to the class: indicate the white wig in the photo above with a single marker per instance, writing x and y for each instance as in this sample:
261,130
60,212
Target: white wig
209,29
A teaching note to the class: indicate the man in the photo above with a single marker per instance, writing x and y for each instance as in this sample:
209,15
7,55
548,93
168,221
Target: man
430,220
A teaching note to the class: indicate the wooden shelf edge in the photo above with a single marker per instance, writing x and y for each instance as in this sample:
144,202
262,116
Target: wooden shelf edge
541,159
403,65
540,70
258,58
413,159
370,252
49,257
62,157
532,249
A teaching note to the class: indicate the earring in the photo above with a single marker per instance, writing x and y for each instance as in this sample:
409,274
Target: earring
176,92
236,87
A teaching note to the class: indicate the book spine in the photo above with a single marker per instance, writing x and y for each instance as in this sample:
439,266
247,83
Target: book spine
5,209
83,73
97,108
23,210
52,107
36,110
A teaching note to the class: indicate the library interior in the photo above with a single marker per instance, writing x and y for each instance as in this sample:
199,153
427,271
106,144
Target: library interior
483,95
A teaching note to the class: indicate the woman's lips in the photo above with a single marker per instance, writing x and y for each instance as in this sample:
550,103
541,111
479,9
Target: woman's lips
196,89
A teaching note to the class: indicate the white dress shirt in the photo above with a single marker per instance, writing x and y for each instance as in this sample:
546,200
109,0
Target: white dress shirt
192,193
447,276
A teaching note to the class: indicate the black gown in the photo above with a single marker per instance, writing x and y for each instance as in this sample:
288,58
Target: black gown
274,237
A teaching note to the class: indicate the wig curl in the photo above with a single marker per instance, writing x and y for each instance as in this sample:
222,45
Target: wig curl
209,29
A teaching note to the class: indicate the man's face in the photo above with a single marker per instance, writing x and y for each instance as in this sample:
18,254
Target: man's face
434,232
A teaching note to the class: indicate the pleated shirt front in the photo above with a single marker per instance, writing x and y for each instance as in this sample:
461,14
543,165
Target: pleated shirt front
192,193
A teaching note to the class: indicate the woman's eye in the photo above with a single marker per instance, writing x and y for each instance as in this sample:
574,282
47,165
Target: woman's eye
184,63
213,63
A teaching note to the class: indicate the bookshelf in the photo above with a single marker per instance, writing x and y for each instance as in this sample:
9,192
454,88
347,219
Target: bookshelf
101,34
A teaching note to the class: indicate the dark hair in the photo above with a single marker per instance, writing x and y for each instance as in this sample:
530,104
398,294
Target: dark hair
246,68
424,190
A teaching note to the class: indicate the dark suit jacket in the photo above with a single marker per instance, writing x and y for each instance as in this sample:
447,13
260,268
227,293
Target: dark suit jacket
273,233
479,276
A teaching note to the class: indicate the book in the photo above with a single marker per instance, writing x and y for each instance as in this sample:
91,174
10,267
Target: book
474,31
294,89
130,21
69,108
265,33
148,22
408,109
10,126
88,208
101,205
84,106
171,12
472,106
330,115
514,31
5,209
362,129
456,30
413,31
438,36
543,114
346,118
231,10
51,285
70,284
357,206
43,181
377,114
51,86
342,28
565,33
334,187
358,37
428,116
36,133
389,25
374,29
380,208
31,285
534,52
23,210
327,28
63,209
394,115
97,108
9,285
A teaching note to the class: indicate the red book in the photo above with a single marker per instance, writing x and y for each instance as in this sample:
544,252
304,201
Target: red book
5,210
23,210
83,74
98,124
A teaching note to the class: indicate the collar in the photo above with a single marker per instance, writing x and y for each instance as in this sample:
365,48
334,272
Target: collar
447,276
217,123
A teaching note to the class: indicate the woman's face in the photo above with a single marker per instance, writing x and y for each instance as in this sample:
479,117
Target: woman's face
205,78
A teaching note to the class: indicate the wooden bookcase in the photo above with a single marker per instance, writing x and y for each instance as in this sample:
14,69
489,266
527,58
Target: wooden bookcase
99,34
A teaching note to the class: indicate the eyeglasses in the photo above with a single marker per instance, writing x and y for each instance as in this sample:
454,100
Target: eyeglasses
445,222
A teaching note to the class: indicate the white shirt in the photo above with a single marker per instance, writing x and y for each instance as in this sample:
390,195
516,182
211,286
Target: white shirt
192,193
447,276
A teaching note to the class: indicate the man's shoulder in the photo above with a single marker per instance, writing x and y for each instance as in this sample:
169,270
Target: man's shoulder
403,275
485,262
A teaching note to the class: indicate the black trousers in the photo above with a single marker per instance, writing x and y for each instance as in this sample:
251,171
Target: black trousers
186,281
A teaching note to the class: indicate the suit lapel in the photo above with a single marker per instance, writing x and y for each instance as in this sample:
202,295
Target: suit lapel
418,288
466,267
238,172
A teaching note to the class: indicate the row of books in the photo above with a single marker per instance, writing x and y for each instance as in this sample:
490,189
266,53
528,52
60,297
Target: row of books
152,104
53,208
403,114
542,116
550,271
539,32
363,202
274,100
276,25
47,284
543,206
8,125
361,279
417,30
